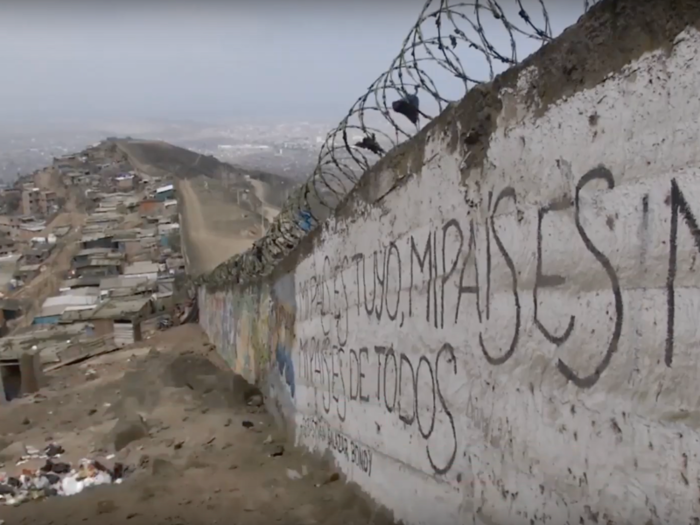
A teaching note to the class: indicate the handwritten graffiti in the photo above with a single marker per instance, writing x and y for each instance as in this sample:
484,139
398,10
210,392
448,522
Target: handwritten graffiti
679,207
445,267
442,278
321,433
409,389
220,322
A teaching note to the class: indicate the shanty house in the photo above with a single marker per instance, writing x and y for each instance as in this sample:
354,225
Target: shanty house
122,317
54,307
97,240
165,193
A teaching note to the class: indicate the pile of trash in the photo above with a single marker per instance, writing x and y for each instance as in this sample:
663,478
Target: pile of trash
55,478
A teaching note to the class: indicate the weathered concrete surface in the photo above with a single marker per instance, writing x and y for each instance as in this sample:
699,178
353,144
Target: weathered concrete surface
500,325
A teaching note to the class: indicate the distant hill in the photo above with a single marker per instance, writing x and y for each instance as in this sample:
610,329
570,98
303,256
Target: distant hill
161,158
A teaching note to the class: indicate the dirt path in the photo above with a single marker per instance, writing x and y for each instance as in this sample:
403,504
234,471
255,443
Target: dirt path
197,445
269,211
205,246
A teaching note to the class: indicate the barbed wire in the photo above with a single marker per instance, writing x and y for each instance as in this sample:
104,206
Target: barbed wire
443,46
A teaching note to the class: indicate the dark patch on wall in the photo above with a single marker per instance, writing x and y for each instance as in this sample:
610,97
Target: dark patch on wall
484,106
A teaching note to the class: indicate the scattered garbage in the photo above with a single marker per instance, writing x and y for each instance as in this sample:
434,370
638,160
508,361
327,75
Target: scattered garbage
331,479
293,474
165,322
255,401
248,424
52,450
279,451
55,478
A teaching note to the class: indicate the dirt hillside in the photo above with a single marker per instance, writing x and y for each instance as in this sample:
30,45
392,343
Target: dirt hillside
215,227
160,158
192,442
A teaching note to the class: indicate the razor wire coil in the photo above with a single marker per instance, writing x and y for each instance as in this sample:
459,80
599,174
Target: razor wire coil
441,41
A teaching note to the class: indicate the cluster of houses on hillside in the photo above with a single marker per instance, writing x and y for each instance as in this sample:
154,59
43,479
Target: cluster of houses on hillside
21,232
120,274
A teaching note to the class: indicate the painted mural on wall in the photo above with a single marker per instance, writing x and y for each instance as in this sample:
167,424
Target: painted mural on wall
236,324
282,332
253,330
218,321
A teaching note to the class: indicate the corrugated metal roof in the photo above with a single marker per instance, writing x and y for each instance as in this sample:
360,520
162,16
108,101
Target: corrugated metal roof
32,228
92,251
51,311
78,313
69,300
124,281
29,268
49,340
141,267
82,291
126,307
163,228
86,280
105,262
95,236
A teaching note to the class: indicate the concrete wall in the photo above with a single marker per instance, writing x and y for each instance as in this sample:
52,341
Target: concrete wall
238,323
501,324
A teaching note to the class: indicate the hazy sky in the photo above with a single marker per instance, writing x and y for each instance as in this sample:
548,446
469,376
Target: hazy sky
203,59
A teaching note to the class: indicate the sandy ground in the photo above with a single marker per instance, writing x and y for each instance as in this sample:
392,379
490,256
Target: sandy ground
206,244
196,458
269,211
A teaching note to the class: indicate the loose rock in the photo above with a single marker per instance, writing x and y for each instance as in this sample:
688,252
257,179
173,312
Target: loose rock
127,431
255,401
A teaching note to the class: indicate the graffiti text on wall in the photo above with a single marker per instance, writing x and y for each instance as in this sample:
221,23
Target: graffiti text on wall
443,269
319,431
